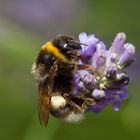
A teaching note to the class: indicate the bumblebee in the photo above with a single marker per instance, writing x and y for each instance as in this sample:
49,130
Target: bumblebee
54,70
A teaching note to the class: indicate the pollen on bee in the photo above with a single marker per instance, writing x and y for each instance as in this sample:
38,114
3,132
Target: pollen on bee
74,117
57,102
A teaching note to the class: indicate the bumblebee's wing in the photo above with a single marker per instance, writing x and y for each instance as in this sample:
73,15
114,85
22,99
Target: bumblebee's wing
45,90
43,105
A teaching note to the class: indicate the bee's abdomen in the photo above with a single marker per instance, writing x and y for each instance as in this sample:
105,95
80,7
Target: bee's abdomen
67,114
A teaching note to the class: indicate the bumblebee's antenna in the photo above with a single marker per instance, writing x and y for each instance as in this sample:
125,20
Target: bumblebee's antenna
73,41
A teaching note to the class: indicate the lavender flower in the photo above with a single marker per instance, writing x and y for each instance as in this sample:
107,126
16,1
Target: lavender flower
97,93
109,85
122,54
87,52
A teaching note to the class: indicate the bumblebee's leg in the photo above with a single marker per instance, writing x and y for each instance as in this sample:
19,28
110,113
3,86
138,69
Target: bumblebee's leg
76,107
88,102
84,67
81,102
87,68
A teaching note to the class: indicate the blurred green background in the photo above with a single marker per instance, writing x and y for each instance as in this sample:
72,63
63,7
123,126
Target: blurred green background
27,24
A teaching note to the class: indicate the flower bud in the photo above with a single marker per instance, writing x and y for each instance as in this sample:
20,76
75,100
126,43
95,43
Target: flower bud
111,71
98,93
89,81
128,56
118,44
90,41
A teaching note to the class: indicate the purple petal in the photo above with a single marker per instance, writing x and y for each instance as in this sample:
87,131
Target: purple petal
86,78
82,73
118,44
123,92
117,95
83,37
89,81
99,106
98,93
113,57
128,56
116,103
98,59
79,85
111,71
91,41
101,46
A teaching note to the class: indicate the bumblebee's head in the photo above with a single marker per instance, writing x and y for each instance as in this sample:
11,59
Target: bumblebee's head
66,43
63,47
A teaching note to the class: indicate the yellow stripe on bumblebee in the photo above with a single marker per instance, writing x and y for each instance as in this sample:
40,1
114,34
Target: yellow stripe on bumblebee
49,47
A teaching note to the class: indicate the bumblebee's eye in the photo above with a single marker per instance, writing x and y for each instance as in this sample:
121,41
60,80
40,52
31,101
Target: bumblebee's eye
63,45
